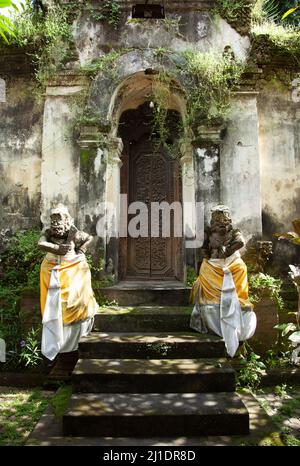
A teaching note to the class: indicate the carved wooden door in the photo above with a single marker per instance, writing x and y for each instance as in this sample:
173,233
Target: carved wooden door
153,177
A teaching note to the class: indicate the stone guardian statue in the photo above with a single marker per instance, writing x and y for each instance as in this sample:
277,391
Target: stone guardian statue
220,293
68,303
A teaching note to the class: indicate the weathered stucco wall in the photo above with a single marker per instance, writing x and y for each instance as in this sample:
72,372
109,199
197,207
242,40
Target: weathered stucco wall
240,165
279,123
207,171
188,29
279,145
21,121
255,169
60,152
52,169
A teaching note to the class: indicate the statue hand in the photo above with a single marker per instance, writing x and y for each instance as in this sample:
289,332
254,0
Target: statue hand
222,252
64,249
214,254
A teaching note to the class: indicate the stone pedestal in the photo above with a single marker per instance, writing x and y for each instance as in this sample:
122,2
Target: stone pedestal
267,317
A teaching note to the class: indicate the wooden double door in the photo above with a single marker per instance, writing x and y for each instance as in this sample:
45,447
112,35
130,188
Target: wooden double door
150,175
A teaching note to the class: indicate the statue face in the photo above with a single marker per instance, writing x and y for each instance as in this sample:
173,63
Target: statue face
220,222
59,224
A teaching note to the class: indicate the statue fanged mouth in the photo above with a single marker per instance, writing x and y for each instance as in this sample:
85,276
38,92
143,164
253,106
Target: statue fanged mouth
58,230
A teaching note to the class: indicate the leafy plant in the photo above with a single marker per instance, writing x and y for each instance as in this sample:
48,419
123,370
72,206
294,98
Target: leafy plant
48,36
277,11
97,268
252,370
110,12
161,96
260,282
282,33
277,356
292,15
172,25
104,64
285,38
30,355
265,10
231,9
191,276
280,390
292,341
209,79
161,349
21,259
20,264
6,26
10,325
105,302
294,238
290,440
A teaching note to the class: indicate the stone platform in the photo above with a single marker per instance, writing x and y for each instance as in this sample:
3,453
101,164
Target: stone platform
143,374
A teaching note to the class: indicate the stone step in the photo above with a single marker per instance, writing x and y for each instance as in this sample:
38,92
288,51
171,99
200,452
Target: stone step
62,369
148,376
143,319
151,345
139,295
155,414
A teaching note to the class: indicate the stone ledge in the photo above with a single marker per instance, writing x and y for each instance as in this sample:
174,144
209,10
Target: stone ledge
22,379
48,431
273,377
170,5
281,376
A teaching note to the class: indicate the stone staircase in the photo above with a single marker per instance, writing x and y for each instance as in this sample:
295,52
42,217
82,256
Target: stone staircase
142,373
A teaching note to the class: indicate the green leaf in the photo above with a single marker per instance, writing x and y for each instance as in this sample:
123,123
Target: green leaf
5,28
16,8
281,326
5,3
6,20
295,337
3,36
290,11
289,328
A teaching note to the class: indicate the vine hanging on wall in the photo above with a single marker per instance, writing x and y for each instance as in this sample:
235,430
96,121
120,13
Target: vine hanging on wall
109,12
209,80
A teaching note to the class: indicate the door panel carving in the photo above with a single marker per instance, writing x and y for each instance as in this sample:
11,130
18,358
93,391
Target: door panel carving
149,175
152,178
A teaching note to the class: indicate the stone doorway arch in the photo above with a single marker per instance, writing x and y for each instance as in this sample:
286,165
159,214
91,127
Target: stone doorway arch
108,100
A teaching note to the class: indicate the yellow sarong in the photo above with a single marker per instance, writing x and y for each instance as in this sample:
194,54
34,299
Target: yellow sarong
76,294
208,286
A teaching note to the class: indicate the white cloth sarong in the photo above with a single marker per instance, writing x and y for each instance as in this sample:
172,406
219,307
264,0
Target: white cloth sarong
227,319
57,337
